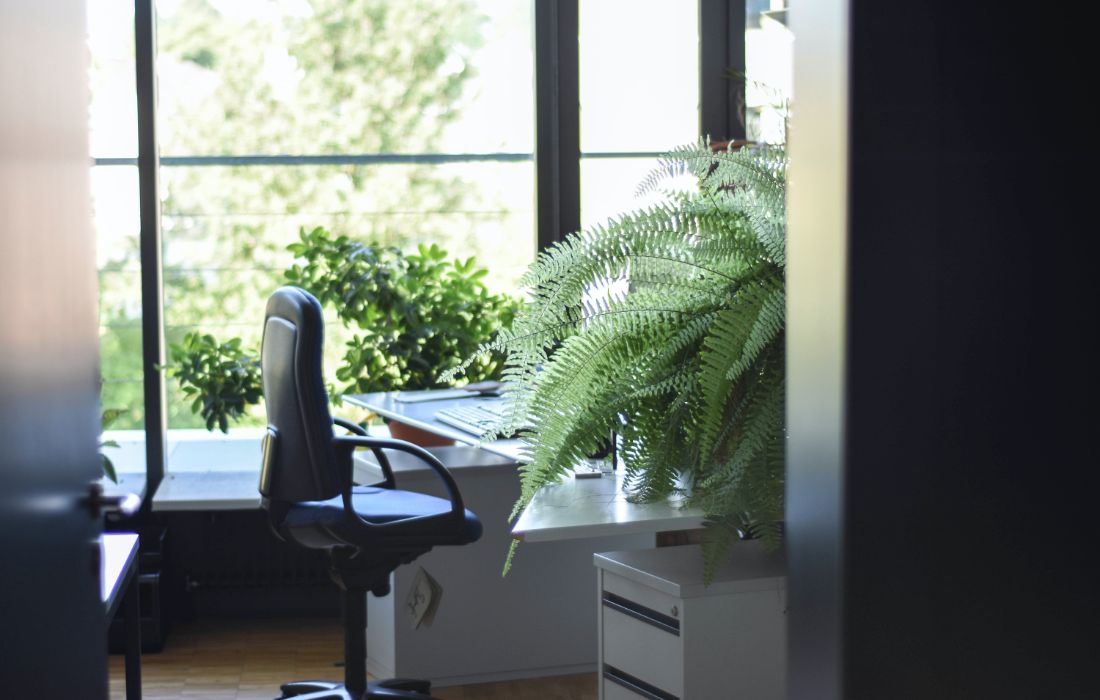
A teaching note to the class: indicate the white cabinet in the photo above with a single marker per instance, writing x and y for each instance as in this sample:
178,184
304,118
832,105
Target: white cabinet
663,635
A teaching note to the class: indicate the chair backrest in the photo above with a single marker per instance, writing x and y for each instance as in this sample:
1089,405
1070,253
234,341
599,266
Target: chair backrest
300,463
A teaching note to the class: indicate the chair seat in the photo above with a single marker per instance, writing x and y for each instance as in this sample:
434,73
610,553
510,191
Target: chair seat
323,524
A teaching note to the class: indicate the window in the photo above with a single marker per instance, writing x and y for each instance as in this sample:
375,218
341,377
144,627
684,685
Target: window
396,121
769,67
635,102
113,139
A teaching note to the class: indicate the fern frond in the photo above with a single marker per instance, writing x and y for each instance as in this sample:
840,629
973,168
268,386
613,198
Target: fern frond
681,160
666,325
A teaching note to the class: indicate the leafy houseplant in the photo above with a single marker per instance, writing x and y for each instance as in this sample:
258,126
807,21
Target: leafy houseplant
666,326
221,379
412,317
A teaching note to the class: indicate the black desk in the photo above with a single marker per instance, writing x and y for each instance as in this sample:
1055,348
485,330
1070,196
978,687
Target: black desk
119,586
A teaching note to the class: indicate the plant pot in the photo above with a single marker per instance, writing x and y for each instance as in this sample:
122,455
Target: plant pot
401,431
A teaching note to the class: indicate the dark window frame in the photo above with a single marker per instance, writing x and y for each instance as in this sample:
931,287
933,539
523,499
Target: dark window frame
152,283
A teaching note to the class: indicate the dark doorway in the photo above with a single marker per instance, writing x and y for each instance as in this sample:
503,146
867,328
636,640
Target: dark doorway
54,641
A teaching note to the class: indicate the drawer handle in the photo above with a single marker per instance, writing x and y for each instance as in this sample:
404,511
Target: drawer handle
641,612
637,685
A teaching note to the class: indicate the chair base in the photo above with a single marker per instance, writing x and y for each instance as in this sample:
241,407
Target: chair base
355,574
378,690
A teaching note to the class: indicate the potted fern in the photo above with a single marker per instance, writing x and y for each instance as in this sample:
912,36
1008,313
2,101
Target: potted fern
665,325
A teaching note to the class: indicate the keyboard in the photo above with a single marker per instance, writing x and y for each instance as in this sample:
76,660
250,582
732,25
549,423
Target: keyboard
475,418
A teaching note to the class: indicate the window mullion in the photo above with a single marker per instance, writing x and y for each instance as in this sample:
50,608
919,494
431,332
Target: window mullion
557,120
721,58
152,298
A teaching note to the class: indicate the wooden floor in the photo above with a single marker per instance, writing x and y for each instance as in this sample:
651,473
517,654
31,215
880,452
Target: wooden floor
248,659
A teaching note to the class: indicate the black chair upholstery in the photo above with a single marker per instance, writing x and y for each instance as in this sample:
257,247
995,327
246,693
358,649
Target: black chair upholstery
307,490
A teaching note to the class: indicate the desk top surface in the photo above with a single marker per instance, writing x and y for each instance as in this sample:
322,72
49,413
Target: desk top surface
571,509
421,414
574,508
119,550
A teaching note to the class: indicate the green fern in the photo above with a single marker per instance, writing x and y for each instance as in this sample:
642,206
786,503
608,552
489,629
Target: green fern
665,325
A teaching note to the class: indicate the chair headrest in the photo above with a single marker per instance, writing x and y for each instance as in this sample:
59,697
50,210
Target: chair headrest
303,465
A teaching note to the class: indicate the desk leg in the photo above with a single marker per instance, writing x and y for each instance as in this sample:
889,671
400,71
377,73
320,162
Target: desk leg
133,639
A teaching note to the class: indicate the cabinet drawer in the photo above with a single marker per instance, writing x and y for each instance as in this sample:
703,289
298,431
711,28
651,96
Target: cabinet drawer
642,649
613,691
616,685
642,595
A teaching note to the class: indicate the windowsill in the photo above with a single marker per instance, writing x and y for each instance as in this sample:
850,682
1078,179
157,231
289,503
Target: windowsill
204,471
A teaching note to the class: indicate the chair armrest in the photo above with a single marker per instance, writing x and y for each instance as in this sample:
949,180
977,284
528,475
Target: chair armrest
458,508
350,426
388,481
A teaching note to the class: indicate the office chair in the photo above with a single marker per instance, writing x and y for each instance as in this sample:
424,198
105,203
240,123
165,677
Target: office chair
306,484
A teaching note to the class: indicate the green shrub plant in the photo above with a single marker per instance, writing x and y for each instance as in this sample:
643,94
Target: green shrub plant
413,316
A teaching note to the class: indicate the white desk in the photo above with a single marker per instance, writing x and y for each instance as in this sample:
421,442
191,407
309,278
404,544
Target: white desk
571,509
548,591
549,588
118,586
575,508
422,415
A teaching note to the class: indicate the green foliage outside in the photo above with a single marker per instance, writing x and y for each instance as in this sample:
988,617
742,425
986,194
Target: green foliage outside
108,417
373,76
666,325
411,317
